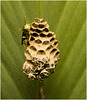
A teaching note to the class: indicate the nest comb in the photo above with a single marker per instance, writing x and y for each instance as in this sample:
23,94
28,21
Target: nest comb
42,54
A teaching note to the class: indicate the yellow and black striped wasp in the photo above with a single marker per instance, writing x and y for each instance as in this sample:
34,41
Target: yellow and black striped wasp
26,33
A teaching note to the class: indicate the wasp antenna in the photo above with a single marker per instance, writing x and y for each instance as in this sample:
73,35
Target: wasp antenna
25,19
20,28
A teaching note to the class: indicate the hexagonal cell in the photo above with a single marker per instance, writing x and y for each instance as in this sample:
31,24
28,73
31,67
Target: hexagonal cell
52,39
43,20
46,29
40,25
55,43
49,47
49,35
37,20
28,55
57,54
34,34
40,21
32,29
32,38
33,48
42,35
41,52
45,42
38,41
53,51
38,30
34,25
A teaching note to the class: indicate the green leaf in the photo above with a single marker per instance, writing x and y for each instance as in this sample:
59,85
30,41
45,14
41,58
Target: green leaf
67,19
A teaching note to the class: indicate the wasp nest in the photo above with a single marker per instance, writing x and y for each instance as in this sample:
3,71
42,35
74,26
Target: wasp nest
42,54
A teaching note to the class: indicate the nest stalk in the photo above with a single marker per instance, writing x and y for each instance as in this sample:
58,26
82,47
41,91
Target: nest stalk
41,90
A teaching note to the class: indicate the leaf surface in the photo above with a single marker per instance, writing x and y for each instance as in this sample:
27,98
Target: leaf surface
67,19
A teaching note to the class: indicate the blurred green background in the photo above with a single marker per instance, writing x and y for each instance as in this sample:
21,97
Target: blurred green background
68,20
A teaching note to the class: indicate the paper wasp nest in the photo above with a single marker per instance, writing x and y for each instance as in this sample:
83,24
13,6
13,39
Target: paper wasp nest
42,53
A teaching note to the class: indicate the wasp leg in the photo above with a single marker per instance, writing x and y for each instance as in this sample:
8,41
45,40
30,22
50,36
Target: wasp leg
20,28
25,19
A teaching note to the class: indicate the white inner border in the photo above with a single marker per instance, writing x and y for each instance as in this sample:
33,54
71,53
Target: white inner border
0,47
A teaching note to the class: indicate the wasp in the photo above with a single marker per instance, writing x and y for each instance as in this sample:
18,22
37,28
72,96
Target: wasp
25,34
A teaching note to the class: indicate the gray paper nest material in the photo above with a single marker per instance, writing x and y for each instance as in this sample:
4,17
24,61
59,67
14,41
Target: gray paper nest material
42,54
